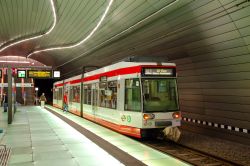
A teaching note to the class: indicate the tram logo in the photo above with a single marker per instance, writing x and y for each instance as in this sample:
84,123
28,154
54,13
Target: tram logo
128,118
123,118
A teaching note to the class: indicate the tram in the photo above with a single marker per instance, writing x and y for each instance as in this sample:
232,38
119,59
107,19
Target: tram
132,98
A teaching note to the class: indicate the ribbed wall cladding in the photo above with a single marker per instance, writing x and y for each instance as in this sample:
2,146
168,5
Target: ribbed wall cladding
210,43
214,77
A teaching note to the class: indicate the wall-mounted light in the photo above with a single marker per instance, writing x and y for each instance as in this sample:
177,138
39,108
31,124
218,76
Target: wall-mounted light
82,41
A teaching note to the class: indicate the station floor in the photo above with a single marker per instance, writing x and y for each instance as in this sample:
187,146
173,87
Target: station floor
38,137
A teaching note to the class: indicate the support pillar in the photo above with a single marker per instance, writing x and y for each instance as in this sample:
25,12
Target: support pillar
10,113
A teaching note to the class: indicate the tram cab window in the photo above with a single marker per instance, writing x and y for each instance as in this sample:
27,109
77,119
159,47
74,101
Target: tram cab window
132,95
87,94
108,94
159,95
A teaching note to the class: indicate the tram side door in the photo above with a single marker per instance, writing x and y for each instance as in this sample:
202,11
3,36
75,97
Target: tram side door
94,97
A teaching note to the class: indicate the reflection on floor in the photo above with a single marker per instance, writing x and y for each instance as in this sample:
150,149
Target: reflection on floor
38,137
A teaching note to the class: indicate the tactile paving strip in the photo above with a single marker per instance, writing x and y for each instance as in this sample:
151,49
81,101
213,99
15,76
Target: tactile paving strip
4,155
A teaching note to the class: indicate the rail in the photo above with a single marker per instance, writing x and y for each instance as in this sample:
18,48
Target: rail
187,154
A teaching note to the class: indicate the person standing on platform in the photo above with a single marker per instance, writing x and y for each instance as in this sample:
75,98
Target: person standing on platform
24,98
43,100
5,102
65,102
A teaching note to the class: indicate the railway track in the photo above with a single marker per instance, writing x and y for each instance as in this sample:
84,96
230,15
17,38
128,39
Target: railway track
186,154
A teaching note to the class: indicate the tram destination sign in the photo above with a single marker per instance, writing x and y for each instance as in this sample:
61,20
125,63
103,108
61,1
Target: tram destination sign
39,73
158,72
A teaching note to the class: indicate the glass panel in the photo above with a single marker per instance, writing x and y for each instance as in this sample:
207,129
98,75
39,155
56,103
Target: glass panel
102,96
55,94
87,94
132,95
159,95
60,94
71,93
108,94
95,95
76,94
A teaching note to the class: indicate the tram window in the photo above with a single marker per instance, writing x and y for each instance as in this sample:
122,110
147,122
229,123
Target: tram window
71,94
55,94
60,94
76,94
87,94
112,88
102,96
159,94
108,94
162,86
132,95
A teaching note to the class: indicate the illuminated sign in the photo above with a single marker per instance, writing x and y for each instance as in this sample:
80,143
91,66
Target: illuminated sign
56,74
24,85
158,72
39,73
21,73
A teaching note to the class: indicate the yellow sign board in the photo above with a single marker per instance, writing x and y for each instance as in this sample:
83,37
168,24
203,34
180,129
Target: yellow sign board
39,74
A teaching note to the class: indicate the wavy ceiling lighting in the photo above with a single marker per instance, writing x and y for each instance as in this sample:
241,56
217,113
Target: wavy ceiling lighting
124,31
82,41
35,37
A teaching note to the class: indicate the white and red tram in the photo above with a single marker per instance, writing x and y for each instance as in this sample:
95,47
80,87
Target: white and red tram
136,99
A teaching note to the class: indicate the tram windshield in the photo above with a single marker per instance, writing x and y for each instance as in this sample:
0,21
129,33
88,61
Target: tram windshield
159,95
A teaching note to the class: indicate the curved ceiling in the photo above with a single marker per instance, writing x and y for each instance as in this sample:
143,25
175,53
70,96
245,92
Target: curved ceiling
22,20
173,28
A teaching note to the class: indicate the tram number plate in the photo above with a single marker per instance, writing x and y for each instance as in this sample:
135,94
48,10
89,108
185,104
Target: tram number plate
163,123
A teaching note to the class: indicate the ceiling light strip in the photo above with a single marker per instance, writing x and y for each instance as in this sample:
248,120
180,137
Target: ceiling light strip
14,61
35,37
119,34
82,41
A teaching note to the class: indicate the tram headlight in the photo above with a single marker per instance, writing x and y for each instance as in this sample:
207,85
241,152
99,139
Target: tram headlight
148,116
176,115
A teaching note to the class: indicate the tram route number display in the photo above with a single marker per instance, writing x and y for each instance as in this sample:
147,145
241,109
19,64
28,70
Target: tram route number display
39,73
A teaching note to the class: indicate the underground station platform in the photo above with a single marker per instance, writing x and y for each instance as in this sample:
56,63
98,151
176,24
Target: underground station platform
39,136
